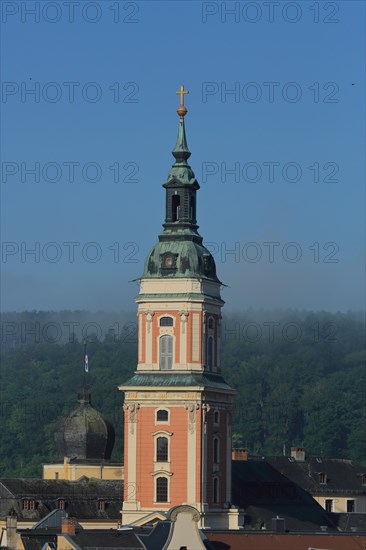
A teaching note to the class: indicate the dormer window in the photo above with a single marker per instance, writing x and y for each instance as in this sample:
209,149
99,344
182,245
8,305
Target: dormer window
28,504
101,505
323,478
61,504
363,480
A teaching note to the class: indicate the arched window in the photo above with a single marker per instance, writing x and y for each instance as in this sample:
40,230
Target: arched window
162,415
161,489
162,449
210,353
211,323
166,321
216,418
166,352
216,450
175,207
216,488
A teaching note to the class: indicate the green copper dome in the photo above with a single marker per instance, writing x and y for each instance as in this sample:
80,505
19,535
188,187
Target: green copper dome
175,258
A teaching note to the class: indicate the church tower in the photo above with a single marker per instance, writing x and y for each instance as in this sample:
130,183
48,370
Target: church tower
177,409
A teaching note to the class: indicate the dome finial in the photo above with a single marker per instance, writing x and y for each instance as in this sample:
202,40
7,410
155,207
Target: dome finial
182,111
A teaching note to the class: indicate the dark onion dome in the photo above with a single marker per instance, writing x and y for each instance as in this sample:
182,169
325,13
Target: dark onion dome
85,433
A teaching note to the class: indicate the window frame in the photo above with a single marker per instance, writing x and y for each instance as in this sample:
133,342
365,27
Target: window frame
101,504
166,317
167,355
157,421
156,480
163,451
323,478
328,503
156,435
216,450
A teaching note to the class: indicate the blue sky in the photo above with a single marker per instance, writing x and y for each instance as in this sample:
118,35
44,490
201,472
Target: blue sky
291,131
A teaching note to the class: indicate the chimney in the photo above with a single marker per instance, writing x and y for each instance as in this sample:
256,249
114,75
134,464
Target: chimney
239,454
298,453
11,532
278,525
68,526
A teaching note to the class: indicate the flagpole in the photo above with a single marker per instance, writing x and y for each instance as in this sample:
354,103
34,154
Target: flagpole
84,365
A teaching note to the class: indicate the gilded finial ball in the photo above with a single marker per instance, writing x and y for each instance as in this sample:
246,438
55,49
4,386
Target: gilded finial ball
182,111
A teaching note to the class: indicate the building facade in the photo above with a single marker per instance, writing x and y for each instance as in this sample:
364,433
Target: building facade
177,406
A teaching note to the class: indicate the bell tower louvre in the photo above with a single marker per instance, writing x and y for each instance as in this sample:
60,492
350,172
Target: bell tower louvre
178,407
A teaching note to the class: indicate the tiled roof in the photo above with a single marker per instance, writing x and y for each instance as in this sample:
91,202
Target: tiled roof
265,493
105,539
158,536
81,498
167,379
37,541
342,476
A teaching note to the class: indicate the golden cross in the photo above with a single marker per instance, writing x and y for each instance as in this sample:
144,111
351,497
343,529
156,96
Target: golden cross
182,93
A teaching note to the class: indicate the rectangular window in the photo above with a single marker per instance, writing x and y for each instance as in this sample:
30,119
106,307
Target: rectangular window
350,506
161,489
329,504
216,450
162,449
166,352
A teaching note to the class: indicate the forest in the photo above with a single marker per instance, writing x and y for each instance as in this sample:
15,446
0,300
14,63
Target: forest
299,377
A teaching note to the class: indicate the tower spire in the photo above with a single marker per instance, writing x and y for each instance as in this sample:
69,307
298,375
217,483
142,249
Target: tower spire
181,152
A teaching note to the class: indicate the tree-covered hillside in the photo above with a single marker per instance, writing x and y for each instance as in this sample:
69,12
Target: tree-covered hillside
300,379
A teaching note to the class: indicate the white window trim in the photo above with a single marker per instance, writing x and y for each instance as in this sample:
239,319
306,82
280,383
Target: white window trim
162,421
162,433
166,475
166,315
166,333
